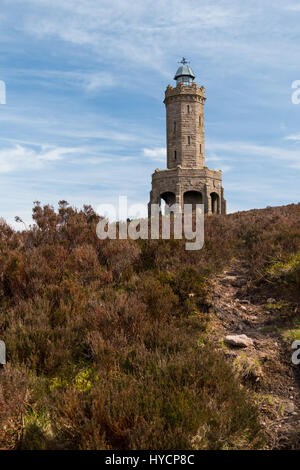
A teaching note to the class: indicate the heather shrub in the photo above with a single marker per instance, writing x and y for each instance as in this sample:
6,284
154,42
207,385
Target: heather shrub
163,411
160,299
107,343
14,392
119,255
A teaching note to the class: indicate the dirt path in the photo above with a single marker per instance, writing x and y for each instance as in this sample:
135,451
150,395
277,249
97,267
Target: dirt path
266,366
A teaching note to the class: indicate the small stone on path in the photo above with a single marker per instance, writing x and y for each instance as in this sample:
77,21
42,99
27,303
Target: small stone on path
242,341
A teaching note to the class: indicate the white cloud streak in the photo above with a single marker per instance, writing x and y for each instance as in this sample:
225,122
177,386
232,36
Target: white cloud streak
20,158
293,137
262,151
159,153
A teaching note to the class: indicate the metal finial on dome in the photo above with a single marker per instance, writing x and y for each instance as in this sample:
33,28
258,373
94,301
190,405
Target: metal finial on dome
184,73
183,61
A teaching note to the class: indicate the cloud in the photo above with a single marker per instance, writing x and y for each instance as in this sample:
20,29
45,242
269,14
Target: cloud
148,33
140,33
213,158
99,80
159,153
89,81
74,125
19,158
262,151
294,137
292,7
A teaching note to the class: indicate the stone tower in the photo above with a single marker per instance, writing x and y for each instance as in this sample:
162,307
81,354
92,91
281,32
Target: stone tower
187,180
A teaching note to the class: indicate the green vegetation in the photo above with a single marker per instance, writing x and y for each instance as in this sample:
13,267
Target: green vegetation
291,335
286,273
107,340
281,269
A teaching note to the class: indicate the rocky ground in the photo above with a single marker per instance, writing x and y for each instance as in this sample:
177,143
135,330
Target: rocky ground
262,357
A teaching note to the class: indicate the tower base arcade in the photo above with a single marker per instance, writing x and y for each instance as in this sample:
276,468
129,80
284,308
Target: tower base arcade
189,186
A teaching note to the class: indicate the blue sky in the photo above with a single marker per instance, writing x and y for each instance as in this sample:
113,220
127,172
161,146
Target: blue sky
84,119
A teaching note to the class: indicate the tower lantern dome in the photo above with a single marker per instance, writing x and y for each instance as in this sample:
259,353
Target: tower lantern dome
184,73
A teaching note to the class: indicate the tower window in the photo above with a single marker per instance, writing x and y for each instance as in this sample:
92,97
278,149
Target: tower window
188,108
189,140
174,126
175,155
200,121
200,148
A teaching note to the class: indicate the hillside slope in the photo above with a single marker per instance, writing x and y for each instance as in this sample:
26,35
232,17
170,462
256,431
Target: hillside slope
265,366
120,344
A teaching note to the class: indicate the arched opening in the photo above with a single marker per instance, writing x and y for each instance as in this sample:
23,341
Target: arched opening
167,199
192,197
215,203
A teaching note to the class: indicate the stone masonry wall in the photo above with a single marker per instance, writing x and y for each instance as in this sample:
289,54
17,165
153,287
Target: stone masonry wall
185,126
